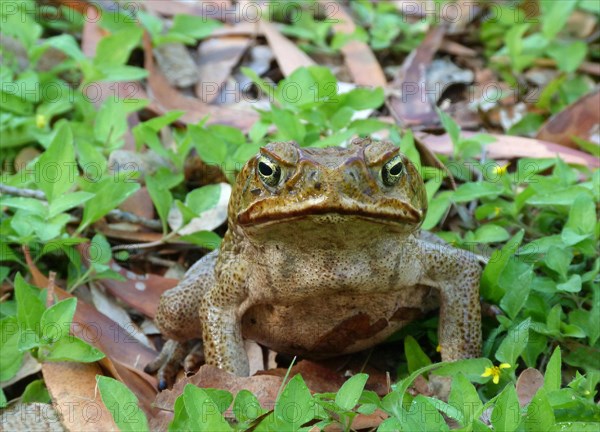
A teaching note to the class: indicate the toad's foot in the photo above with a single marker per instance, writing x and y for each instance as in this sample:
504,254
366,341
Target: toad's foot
172,357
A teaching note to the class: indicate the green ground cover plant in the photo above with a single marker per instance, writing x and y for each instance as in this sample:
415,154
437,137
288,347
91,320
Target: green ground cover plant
535,220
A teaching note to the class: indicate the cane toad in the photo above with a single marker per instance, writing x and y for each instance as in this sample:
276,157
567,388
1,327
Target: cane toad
323,257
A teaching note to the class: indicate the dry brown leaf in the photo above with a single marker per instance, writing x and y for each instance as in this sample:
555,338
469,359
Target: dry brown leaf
511,147
165,98
218,56
139,203
412,107
580,119
528,383
73,389
289,57
360,60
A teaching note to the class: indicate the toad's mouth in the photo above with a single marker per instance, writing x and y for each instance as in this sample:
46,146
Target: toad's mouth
403,214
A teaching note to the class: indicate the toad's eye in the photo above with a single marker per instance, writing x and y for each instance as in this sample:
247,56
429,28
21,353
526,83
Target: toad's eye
392,171
268,171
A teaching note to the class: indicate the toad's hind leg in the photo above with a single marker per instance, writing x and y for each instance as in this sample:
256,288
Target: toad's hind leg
178,320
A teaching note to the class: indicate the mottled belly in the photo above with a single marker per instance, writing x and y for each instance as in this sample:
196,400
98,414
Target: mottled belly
324,326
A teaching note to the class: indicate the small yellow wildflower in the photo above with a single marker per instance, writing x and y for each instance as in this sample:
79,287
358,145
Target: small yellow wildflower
497,211
495,371
500,170
41,121
438,348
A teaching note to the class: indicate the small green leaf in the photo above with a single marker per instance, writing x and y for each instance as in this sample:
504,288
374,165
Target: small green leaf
70,348
246,407
472,191
67,202
203,413
29,306
464,397
470,368
36,391
348,395
515,280
573,284
490,233
514,343
540,416
552,377
11,358
415,356
295,405
507,413
195,27
56,320
495,267
122,404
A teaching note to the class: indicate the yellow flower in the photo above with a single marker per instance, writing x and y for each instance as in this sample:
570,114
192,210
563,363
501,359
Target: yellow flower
497,211
499,170
494,372
438,348
41,121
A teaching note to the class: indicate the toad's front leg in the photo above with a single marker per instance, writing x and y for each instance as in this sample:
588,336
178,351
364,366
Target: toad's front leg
220,313
456,274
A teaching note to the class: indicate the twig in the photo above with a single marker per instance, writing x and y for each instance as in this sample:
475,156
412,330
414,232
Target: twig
119,215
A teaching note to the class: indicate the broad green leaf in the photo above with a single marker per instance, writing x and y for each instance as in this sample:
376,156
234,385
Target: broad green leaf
582,216
288,125
552,377
514,343
56,169
100,251
507,412
70,348
110,192
29,306
204,414
495,267
470,368
30,205
464,397
476,190
568,56
246,407
348,395
195,27
11,358
115,49
68,201
56,320
491,233
221,398
295,405
162,199
515,280
573,284
36,391
554,16
540,416
415,356
122,404
558,259
203,198
67,44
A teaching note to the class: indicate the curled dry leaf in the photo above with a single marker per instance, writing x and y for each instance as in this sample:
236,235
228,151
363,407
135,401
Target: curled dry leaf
218,56
528,383
411,108
358,57
580,119
442,74
289,57
176,63
73,389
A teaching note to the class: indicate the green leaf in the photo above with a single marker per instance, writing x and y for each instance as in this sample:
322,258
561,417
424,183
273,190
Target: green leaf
540,416
451,127
582,215
67,44
470,368
472,191
56,169
122,404
115,49
36,391
109,194
552,376
295,406
162,199
29,306
222,398
203,413
464,397
211,148
67,202
203,198
288,125
100,251
56,320
246,407
568,56
573,284
348,395
554,16
195,27
415,356
3,401
70,348
515,280
507,412
490,233
11,358
204,239
495,267
558,259
514,343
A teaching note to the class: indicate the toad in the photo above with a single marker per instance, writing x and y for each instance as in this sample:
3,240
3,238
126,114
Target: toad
323,256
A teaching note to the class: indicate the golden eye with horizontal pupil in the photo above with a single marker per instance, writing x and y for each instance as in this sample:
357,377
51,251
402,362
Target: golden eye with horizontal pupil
268,171
392,171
